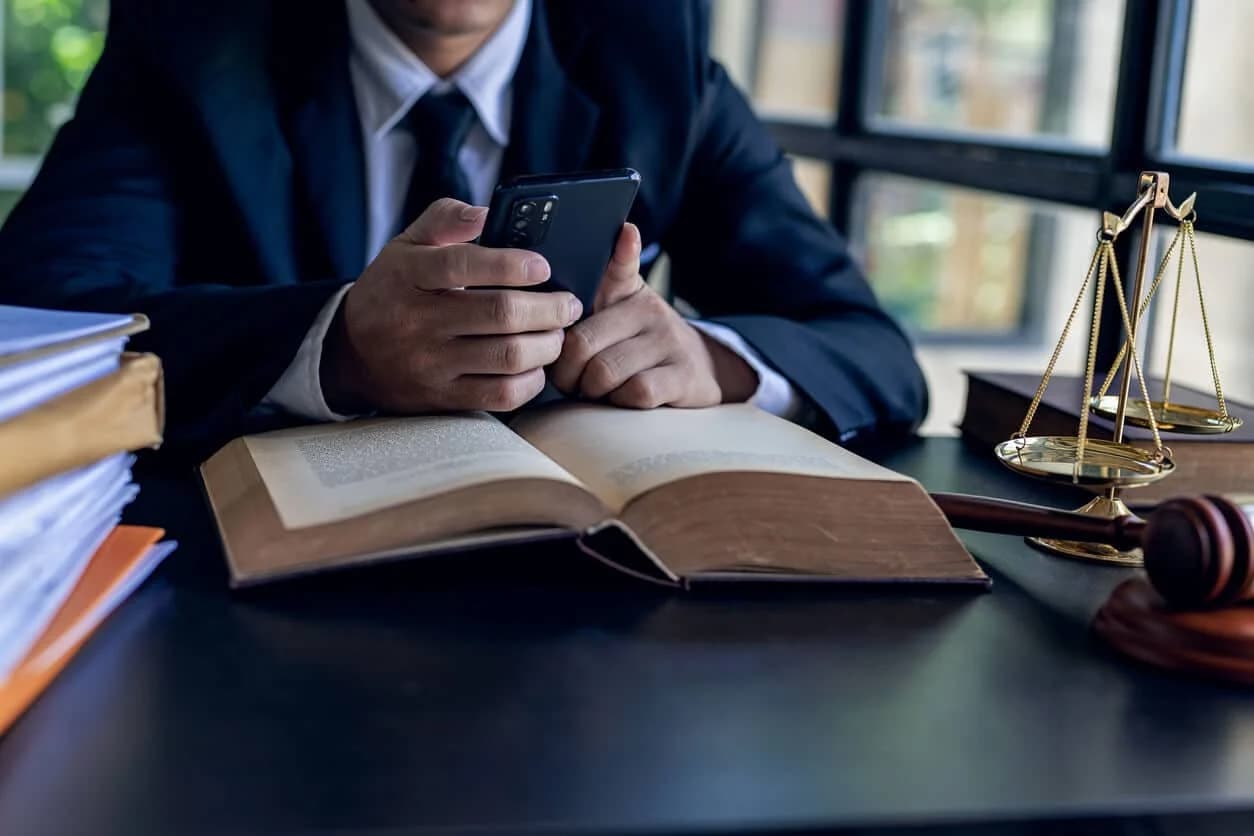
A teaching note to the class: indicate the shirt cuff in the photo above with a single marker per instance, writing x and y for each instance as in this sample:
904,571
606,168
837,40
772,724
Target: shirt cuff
774,394
299,390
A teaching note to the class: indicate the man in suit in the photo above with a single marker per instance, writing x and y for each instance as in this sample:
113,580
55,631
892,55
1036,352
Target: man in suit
291,199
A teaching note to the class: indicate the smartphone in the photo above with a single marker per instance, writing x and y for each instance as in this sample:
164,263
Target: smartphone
573,220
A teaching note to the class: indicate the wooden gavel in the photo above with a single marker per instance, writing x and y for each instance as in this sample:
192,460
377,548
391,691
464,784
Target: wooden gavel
1199,551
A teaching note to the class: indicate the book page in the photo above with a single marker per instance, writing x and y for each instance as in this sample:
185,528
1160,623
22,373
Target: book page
622,453
327,473
28,515
31,383
25,329
38,579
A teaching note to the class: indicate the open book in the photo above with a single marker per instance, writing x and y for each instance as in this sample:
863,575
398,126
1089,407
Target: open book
675,496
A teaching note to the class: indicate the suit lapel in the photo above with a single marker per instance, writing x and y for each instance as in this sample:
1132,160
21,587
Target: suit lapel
229,83
553,122
276,104
324,134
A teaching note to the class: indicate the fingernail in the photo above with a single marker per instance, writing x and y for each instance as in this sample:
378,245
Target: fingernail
472,213
537,270
576,309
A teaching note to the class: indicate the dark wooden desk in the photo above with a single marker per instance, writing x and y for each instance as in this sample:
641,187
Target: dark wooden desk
532,692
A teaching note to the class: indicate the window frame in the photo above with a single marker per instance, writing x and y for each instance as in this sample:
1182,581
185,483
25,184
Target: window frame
1152,54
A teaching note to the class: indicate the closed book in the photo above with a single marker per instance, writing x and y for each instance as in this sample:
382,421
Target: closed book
1221,463
679,497
122,411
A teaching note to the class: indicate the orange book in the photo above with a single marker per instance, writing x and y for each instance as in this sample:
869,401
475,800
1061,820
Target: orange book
123,560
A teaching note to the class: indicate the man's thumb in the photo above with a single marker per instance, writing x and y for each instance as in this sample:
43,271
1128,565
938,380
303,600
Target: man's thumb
447,221
622,274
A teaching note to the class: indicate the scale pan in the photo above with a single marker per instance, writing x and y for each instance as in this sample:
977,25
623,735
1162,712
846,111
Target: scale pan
1106,464
1171,417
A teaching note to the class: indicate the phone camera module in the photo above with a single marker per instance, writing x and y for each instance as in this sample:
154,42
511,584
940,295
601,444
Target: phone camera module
529,221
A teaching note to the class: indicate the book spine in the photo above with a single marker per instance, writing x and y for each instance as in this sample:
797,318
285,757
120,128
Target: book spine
992,415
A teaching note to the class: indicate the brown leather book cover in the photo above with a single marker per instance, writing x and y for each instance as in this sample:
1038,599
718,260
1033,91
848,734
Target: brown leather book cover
122,411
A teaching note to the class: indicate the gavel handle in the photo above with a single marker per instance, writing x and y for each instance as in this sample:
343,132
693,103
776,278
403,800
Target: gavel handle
1000,516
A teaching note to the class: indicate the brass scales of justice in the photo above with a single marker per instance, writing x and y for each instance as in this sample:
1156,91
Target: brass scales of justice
1107,467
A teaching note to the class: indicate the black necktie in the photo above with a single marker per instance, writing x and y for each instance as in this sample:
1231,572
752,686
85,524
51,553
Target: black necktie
440,122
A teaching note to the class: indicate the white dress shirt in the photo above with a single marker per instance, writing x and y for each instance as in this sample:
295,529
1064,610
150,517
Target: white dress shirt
388,79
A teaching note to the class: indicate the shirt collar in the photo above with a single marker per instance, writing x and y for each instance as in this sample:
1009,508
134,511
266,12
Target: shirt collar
397,78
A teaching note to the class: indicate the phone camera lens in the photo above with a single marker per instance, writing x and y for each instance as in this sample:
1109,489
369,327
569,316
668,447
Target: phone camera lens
525,209
521,223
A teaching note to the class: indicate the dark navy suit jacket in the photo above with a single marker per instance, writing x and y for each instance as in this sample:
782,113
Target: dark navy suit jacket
212,178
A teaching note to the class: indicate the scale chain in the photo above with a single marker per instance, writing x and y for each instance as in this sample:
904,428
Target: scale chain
1053,360
1210,345
1107,249
1145,303
1136,362
1175,315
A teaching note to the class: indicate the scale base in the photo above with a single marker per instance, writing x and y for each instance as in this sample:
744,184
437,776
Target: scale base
1102,506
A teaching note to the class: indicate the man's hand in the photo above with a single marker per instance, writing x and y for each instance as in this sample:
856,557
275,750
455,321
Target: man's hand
637,351
432,324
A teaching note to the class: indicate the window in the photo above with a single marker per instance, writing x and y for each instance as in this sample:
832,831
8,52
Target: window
815,179
1020,69
974,276
786,52
49,47
1217,100
970,144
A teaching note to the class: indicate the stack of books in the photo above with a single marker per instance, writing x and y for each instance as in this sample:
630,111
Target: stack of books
73,404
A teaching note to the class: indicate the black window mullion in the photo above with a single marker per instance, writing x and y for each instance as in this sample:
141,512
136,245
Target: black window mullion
1060,174
854,69
1164,115
1057,176
1134,101
1134,90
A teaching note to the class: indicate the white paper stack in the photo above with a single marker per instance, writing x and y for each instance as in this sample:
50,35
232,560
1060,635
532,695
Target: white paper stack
63,384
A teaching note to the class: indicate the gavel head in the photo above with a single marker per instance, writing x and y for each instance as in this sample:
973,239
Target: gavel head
1199,551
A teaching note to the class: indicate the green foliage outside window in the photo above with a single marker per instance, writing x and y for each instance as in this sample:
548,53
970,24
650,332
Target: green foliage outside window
50,47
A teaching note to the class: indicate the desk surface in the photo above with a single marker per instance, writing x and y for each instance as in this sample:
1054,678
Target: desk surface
534,691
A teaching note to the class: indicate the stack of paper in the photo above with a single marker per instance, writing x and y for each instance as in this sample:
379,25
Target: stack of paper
72,404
